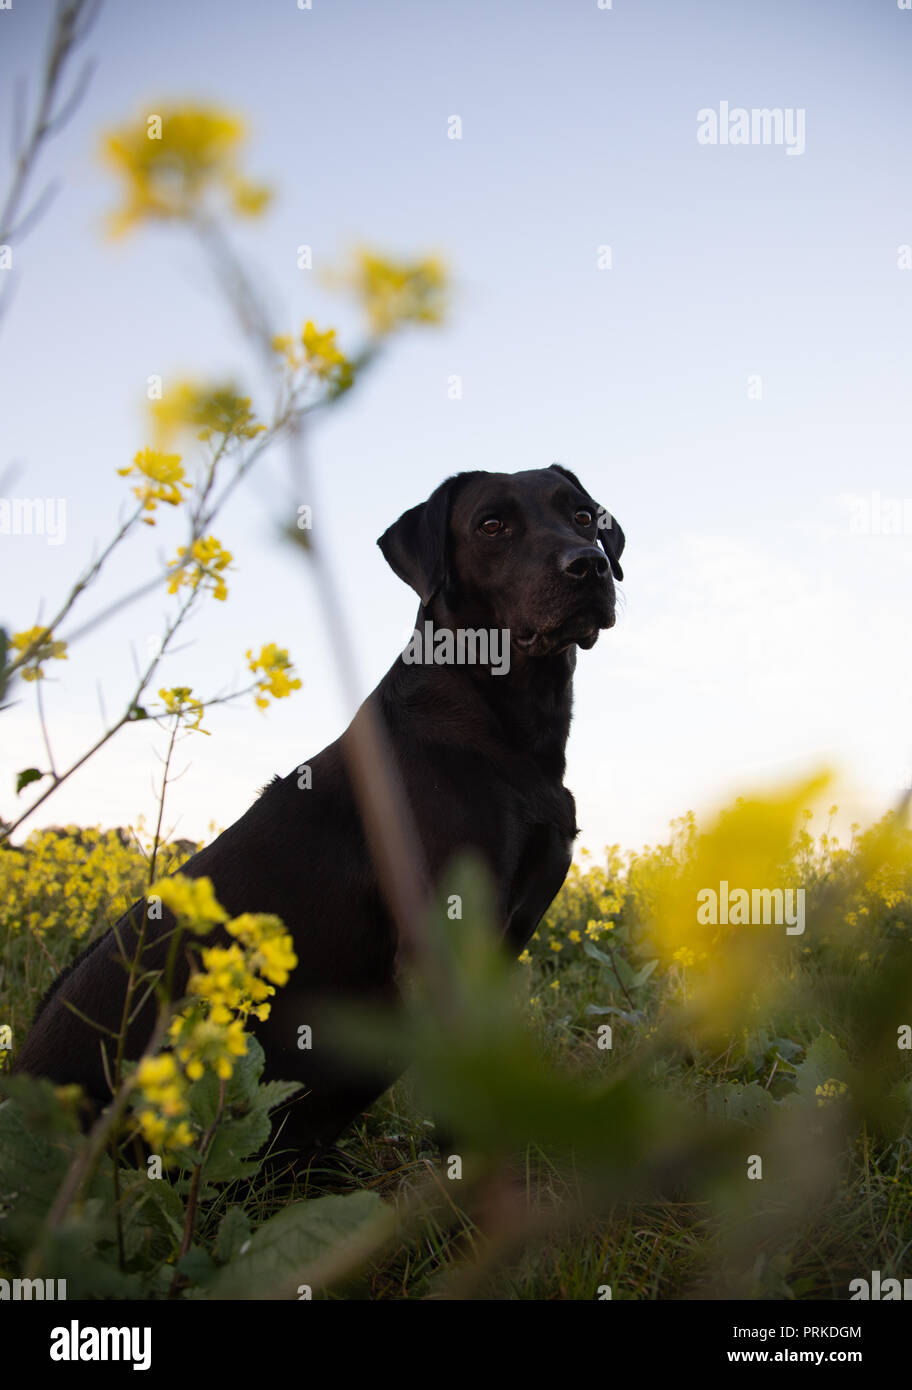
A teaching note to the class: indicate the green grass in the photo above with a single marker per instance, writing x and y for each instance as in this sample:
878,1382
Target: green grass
526,1227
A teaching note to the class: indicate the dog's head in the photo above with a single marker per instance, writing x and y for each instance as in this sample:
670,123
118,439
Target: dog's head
530,551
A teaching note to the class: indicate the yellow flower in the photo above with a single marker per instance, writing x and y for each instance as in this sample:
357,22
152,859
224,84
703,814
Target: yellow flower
204,408
223,411
525,958
275,664
321,356
203,1042
399,292
575,937
248,199
205,559
180,703
162,1094
268,943
192,900
555,945
173,159
163,475
829,1091
320,349
735,967
36,645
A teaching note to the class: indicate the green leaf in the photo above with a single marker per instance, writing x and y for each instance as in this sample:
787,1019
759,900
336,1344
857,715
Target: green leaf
241,1088
27,775
233,1233
749,1105
823,1061
232,1145
158,1193
592,950
198,1265
635,1016
203,1099
787,1049
273,1093
624,976
282,1248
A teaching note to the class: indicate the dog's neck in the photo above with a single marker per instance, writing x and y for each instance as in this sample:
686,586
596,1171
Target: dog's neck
524,711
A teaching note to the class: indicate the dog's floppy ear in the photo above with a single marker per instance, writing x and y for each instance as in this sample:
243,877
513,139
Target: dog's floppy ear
609,528
415,547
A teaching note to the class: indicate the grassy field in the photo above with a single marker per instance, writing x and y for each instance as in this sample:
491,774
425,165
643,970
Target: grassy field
750,1043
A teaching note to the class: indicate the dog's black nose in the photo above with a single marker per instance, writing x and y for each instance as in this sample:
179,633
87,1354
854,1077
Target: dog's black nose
582,563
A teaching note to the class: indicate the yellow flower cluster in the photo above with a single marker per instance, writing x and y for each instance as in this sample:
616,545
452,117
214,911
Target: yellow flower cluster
162,476
234,978
399,292
234,981
207,1042
275,665
161,1106
36,644
192,901
174,159
208,1034
205,409
318,353
205,560
179,701
830,1091
592,896
73,881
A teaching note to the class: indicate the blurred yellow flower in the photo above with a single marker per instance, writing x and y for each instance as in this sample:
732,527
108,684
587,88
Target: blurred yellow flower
174,159
398,292
830,1090
735,967
205,409
36,645
162,1104
180,702
319,354
192,900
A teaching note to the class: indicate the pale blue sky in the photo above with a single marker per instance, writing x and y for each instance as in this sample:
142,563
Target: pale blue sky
758,634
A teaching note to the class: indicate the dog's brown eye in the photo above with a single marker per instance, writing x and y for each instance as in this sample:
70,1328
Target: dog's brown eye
492,526
583,518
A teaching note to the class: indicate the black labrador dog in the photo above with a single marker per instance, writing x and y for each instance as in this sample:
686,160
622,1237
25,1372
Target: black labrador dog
523,564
